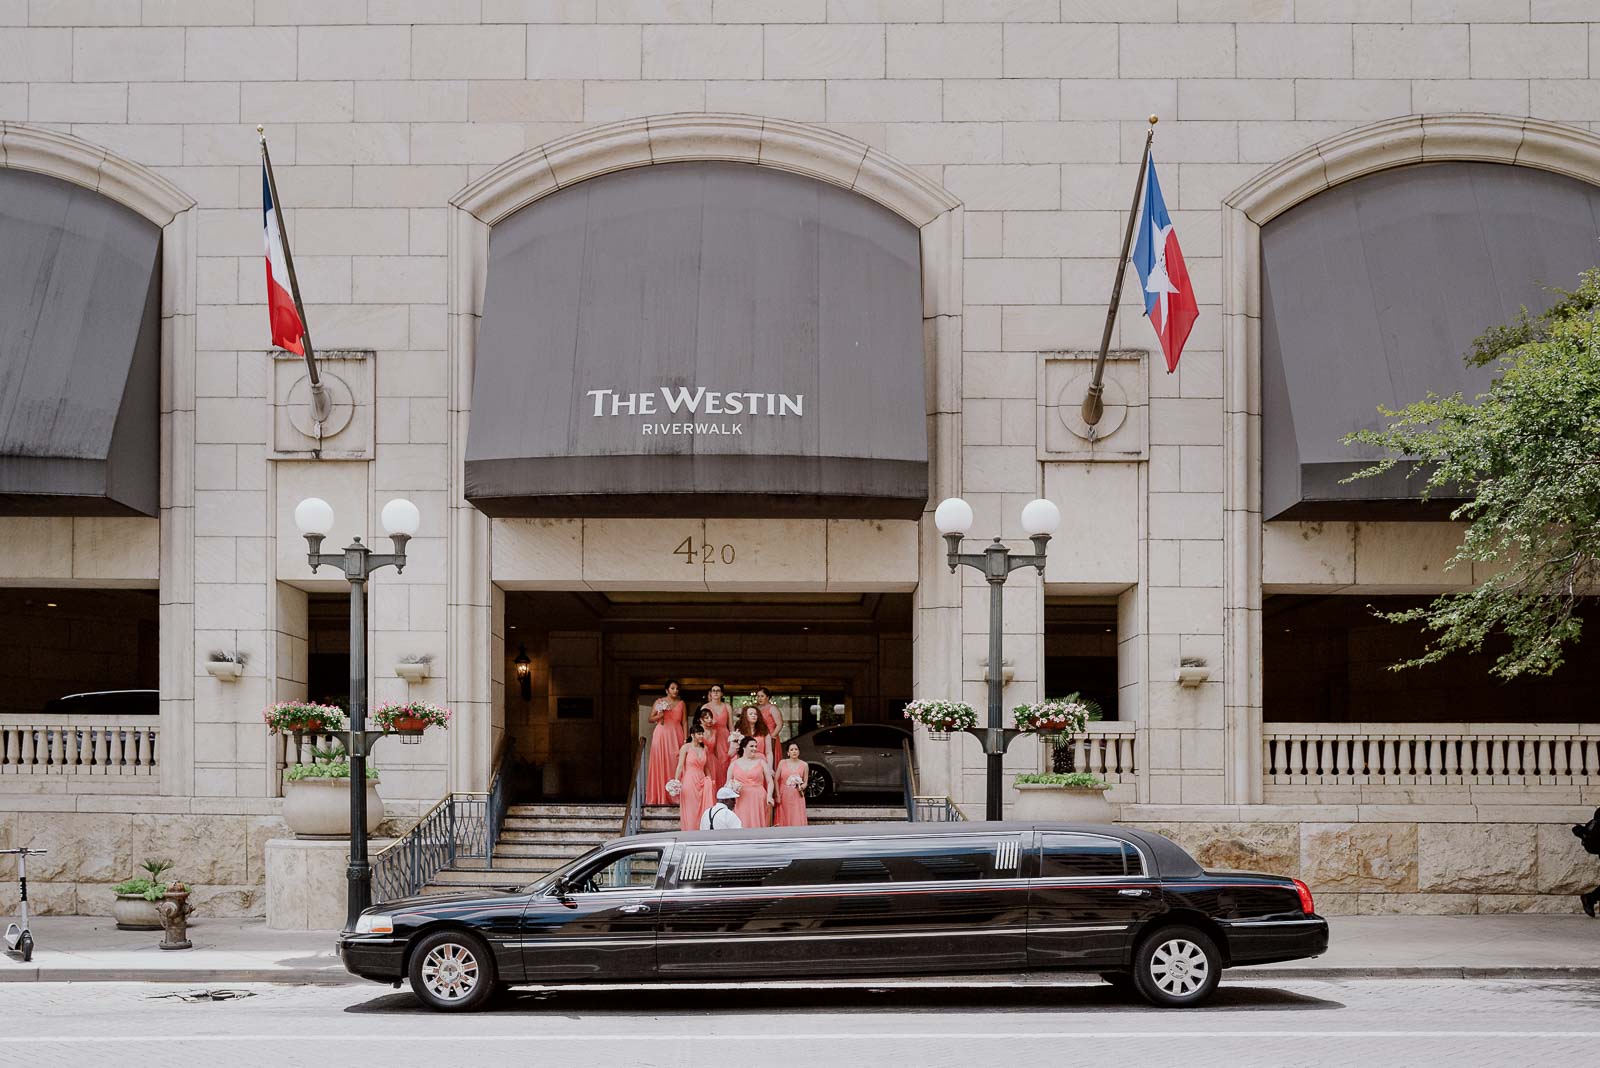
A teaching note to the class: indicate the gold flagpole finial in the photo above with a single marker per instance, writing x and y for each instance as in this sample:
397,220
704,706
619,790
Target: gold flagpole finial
1153,120
261,132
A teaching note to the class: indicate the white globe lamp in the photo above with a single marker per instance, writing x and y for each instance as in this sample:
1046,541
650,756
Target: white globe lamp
314,517
1040,518
953,516
401,518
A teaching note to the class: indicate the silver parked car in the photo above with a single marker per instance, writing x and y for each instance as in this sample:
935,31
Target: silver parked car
864,757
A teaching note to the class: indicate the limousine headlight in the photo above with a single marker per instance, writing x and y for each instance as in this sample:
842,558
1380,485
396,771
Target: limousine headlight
367,923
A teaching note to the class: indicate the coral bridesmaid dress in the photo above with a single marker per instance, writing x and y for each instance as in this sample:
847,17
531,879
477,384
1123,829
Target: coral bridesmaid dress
751,808
774,721
665,741
717,747
697,793
791,802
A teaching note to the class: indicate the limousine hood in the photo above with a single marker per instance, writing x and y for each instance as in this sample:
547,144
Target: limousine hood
430,902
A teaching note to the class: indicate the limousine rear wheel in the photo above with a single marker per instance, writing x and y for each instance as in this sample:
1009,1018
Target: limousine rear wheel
1176,967
452,971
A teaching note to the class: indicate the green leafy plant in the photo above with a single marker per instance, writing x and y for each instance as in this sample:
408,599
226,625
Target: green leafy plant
1056,778
1528,453
942,715
337,769
150,886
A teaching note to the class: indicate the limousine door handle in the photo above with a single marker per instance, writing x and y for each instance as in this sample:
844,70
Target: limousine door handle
1134,893
634,909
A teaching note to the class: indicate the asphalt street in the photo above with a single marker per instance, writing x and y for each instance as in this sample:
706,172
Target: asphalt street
1251,1022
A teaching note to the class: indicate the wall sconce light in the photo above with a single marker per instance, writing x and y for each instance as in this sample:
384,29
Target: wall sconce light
524,672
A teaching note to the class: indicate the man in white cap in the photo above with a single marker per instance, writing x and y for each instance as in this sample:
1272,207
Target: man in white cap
719,817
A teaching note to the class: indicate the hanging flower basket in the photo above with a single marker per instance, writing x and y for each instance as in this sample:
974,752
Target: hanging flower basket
303,717
1053,719
942,717
410,718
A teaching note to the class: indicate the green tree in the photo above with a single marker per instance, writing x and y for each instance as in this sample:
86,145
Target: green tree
1528,451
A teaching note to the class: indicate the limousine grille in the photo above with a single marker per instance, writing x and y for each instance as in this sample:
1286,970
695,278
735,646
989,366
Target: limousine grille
1005,855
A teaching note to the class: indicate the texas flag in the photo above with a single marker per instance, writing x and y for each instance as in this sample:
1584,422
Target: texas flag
1168,294
287,329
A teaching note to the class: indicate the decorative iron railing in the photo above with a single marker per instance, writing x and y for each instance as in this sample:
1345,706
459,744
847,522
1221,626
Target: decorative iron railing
461,827
56,744
633,814
936,810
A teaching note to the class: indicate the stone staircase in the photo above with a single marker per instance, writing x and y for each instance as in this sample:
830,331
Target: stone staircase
538,838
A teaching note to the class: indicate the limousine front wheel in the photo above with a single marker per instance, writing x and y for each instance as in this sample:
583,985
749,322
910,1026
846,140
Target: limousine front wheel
452,971
1177,966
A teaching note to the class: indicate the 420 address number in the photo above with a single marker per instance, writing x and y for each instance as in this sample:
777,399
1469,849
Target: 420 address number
705,552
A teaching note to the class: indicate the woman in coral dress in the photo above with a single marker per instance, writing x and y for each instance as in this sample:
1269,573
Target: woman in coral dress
754,778
665,741
751,725
773,720
695,792
791,810
717,740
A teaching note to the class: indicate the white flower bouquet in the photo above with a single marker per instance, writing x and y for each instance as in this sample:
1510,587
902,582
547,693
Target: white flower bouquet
674,787
795,782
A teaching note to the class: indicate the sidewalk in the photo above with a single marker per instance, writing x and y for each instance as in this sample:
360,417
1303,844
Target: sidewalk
91,949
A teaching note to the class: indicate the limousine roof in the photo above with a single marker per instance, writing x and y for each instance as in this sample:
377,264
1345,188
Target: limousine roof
1171,860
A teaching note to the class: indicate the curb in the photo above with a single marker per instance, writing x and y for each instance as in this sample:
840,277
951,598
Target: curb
339,977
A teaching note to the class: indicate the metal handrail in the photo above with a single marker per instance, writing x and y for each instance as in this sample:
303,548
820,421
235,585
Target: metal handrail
909,779
937,810
499,800
461,826
633,815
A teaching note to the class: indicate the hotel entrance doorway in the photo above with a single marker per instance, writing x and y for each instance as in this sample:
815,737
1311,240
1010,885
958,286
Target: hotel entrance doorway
595,663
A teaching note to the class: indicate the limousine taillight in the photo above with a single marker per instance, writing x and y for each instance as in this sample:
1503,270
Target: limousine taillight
1307,906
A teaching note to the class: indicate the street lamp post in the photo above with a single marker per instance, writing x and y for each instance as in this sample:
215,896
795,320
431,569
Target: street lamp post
400,518
1040,518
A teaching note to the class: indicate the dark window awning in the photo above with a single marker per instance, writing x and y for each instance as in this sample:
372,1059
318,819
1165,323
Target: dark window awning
80,352
1372,293
700,338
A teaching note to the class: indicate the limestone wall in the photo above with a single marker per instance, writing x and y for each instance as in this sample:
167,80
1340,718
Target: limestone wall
1404,866
218,850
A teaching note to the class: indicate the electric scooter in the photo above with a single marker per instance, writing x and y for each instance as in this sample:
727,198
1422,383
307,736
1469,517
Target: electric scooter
19,940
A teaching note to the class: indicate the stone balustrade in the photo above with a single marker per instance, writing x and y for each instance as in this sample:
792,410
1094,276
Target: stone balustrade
1429,755
105,746
1106,750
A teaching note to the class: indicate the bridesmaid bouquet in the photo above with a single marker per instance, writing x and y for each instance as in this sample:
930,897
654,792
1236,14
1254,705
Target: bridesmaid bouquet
674,787
794,782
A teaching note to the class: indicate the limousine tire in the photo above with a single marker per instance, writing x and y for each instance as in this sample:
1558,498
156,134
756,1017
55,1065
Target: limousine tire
1175,967
452,971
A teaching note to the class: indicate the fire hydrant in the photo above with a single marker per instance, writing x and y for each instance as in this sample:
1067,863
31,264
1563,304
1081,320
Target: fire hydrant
174,909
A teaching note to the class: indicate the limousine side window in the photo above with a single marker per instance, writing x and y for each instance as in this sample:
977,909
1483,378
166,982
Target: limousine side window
1080,856
628,871
830,862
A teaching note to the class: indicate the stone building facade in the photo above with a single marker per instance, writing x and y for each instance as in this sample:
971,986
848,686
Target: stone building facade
1005,134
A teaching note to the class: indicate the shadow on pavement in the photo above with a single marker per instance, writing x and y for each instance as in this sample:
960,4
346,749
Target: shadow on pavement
665,1000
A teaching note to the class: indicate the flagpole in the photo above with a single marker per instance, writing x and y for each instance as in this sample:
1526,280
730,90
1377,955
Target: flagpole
321,402
1093,406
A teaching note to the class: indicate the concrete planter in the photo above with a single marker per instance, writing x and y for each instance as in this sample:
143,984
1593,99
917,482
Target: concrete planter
320,808
133,913
1065,804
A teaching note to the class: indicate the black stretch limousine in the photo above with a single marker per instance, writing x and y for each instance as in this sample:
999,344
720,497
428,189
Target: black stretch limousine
934,898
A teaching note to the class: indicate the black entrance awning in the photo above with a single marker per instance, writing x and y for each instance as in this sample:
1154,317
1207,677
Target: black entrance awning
701,337
1372,294
80,348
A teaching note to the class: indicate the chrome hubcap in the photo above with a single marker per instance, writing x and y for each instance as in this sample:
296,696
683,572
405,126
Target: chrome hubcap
1179,967
450,971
